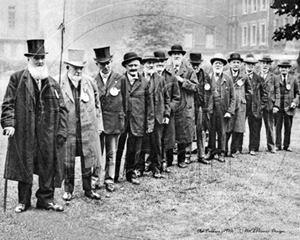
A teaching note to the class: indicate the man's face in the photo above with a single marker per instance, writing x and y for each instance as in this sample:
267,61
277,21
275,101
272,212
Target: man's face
149,67
250,67
265,66
235,65
160,66
284,70
176,58
218,67
37,61
104,67
196,67
133,67
75,73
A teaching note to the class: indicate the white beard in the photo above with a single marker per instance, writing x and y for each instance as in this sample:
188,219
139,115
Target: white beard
38,72
74,78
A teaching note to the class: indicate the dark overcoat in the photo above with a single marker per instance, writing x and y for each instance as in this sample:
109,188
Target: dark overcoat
37,121
273,89
112,102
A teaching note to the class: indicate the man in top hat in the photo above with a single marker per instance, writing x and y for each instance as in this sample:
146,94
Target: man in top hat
185,111
112,104
161,100
223,107
273,100
85,124
243,92
203,105
139,114
171,84
34,118
289,100
255,105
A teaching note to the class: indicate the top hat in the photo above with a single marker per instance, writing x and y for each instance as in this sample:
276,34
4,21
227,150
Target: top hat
195,58
75,57
130,56
36,47
266,58
176,49
148,56
234,56
102,54
160,55
250,59
284,64
218,57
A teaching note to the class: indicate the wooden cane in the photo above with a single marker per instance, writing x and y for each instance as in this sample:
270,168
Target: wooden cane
5,195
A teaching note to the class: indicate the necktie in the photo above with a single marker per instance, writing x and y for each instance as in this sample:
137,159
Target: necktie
284,80
176,70
104,77
38,82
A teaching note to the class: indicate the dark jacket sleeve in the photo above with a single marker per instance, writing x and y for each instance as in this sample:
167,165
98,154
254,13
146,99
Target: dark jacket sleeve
149,109
276,85
166,98
175,94
231,108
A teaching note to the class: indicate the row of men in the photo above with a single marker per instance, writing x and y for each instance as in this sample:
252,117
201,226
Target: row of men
50,123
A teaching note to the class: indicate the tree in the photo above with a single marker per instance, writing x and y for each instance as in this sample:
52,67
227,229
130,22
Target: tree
156,27
289,31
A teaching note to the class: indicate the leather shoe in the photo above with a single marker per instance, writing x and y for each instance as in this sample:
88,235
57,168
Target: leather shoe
252,153
147,167
222,157
110,187
135,181
158,175
21,208
67,196
187,161
202,160
164,168
277,148
210,156
288,149
92,195
50,206
272,151
182,165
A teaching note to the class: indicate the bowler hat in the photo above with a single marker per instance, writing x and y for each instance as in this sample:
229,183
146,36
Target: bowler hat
176,49
234,56
130,56
266,58
195,57
149,56
284,64
219,57
160,55
102,54
36,47
75,57
250,59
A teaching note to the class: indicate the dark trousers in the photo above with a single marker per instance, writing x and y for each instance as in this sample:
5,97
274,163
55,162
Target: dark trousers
268,117
218,126
281,118
121,146
181,152
168,141
254,132
236,141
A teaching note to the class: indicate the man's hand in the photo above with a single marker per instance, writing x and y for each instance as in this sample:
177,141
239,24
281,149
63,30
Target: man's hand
149,130
275,109
166,120
293,105
180,79
9,131
60,140
227,115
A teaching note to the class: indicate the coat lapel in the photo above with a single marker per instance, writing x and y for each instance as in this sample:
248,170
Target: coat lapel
136,84
110,81
66,88
29,84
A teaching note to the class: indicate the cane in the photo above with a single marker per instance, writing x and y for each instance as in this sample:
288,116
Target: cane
5,195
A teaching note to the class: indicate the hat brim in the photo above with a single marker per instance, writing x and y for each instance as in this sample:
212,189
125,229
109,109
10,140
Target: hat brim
231,59
103,60
224,61
155,59
75,63
130,60
196,62
171,52
268,61
284,65
162,59
250,61
34,54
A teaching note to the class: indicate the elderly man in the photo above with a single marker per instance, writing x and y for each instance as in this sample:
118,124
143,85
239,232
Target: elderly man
85,124
272,105
223,107
112,104
139,114
204,105
184,113
34,118
160,96
243,93
171,84
289,100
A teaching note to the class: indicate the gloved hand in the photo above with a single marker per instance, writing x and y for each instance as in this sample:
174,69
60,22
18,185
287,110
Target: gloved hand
227,115
293,105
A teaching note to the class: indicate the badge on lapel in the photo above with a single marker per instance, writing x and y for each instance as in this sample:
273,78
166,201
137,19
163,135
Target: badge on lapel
85,97
114,91
56,93
206,86
288,87
239,82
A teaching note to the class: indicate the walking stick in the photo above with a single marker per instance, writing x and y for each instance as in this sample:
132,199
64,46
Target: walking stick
5,195
62,28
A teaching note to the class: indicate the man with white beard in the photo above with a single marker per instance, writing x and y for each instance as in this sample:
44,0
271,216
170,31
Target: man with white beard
85,124
34,118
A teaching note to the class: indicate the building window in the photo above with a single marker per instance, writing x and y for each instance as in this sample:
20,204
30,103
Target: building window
262,34
245,6
253,34
210,8
254,6
263,5
210,37
11,17
244,35
276,24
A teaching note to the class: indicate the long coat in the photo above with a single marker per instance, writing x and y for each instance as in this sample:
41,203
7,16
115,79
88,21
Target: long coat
90,121
291,95
112,97
185,110
139,106
37,122
273,89
243,92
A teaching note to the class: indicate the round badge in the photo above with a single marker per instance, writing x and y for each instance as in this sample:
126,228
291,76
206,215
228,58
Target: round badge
288,87
239,82
85,97
114,91
206,86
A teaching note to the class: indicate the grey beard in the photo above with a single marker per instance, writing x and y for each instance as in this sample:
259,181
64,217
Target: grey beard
38,72
74,78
